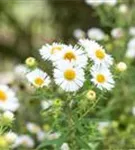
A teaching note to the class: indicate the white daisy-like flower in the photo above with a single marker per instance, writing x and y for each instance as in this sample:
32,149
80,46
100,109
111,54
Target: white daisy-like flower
110,2
117,33
48,51
130,53
133,111
74,55
96,34
123,8
10,137
53,136
41,135
38,78
102,78
103,125
78,34
32,127
132,31
131,43
68,77
20,70
24,140
8,99
95,3
65,146
46,104
96,53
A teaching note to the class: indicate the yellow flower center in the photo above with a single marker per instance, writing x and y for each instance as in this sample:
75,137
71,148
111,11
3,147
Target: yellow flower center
39,81
3,96
100,78
69,74
55,49
100,54
69,55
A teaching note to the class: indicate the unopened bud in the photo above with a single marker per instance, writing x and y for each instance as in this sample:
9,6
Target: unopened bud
91,95
31,62
121,66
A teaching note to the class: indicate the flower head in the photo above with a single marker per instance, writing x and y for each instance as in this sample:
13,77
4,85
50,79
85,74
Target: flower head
38,78
8,100
47,51
102,78
74,55
96,53
32,127
24,140
68,77
96,34
10,137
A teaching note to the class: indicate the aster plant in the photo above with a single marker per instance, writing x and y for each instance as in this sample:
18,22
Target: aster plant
77,78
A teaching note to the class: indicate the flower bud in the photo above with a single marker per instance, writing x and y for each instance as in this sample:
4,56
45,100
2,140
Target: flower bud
57,102
121,66
7,118
91,95
31,62
46,127
64,146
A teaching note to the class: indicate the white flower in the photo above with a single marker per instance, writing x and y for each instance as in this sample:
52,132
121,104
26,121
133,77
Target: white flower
41,135
130,53
102,78
8,115
53,136
121,66
7,77
64,146
38,78
24,140
123,8
10,137
96,34
32,127
131,49
47,51
117,33
99,2
133,111
132,31
110,2
78,33
68,77
8,100
74,55
20,71
131,43
93,2
103,125
46,104
96,53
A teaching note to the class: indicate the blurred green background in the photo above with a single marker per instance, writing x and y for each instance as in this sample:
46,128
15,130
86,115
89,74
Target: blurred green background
26,25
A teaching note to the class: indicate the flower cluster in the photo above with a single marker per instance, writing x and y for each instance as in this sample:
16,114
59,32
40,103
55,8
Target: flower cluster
71,64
